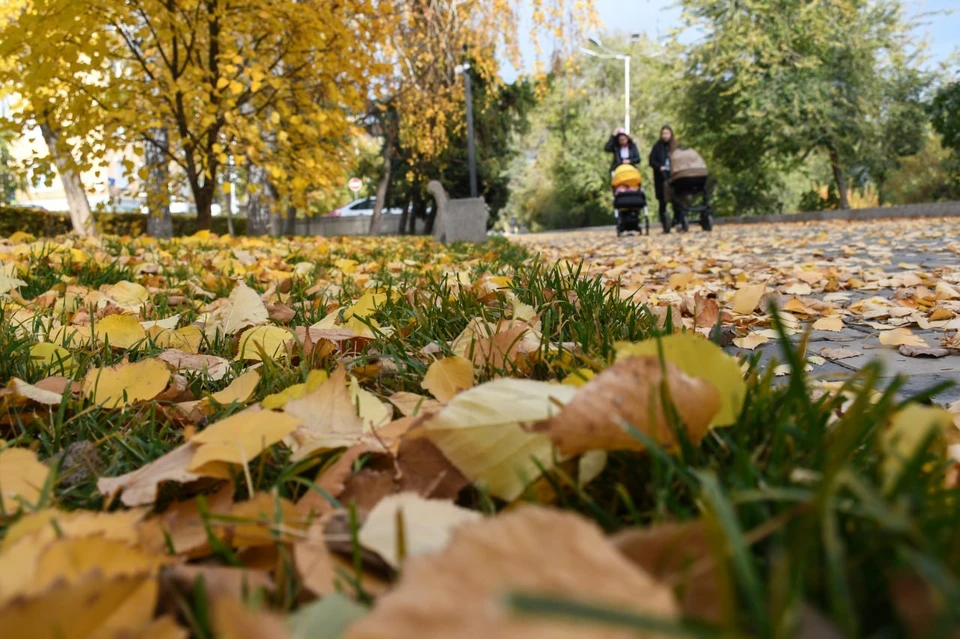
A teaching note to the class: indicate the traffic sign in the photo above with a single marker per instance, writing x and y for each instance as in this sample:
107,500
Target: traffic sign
355,184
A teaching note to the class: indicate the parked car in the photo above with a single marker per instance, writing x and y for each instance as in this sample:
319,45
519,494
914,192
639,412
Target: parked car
362,207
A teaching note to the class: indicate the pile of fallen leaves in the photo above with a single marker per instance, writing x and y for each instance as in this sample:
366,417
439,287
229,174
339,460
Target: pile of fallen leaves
261,438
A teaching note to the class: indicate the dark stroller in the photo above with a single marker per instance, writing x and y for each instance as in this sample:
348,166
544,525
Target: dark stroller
629,201
689,192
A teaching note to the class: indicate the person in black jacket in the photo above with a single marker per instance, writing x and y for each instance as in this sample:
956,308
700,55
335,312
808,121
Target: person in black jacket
623,150
660,163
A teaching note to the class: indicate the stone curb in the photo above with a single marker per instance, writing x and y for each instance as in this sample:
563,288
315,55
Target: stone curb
932,209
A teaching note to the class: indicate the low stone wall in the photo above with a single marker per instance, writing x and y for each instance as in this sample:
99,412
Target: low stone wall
340,226
932,209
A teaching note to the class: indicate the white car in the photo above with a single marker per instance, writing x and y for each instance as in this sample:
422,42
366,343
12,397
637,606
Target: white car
361,207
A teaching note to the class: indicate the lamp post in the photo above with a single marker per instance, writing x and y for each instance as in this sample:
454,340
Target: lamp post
608,54
471,151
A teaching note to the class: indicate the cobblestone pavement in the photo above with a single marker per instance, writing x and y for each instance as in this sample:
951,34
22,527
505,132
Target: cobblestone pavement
857,282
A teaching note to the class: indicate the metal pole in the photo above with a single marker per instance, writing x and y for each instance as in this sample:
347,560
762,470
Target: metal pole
626,93
471,154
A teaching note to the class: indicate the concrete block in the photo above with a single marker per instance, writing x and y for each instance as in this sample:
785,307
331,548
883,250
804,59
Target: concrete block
463,221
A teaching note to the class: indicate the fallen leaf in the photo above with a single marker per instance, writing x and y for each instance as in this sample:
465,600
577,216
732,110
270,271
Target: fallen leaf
909,429
329,418
29,392
448,376
22,479
126,383
187,339
243,309
52,359
221,580
747,299
127,295
924,351
139,487
372,412
97,607
232,620
834,324
120,331
411,404
326,618
240,438
238,391
262,342
706,312
460,592
751,341
901,337
479,432
839,353
211,366
702,359
680,554
426,525
278,400
629,392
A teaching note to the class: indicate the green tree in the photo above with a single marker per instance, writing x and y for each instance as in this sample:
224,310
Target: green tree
770,82
945,114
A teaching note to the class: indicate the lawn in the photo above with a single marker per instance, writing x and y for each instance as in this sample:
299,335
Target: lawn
217,437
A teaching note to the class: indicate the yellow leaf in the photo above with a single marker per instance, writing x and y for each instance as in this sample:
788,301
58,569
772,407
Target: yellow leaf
222,83
22,479
372,412
702,359
448,376
97,607
240,438
427,525
126,383
122,331
264,342
243,308
278,400
910,428
366,306
127,295
140,486
579,377
480,432
54,359
751,341
834,324
901,337
185,339
235,87
746,299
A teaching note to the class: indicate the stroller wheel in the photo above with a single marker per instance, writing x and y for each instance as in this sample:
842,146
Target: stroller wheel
706,220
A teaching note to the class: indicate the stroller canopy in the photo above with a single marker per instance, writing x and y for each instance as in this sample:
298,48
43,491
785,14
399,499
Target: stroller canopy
627,175
686,163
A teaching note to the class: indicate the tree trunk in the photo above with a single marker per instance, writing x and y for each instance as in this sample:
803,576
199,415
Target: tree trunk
383,186
258,202
159,220
439,194
404,216
81,216
228,205
290,228
839,178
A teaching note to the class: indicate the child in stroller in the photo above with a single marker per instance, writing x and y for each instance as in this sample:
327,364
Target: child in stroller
629,200
687,183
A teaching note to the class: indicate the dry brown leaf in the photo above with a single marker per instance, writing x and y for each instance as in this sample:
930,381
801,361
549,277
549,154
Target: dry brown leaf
460,592
213,367
924,351
28,392
232,620
220,580
679,554
706,312
629,392
329,418
412,404
139,487
447,377
839,353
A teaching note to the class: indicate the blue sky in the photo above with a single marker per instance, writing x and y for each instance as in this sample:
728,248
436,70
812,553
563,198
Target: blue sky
940,18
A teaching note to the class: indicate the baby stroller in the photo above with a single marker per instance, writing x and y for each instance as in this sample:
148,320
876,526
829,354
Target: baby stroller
688,189
629,200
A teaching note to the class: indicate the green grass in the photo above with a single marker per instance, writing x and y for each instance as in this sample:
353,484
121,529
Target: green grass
794,490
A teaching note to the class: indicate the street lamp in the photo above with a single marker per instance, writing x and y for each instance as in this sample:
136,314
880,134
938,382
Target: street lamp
608,54
471,152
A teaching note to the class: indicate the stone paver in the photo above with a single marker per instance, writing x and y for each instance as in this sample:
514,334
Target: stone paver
859,260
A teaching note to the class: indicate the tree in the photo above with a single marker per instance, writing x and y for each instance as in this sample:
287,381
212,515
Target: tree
945,114
420,98
271,82
772,81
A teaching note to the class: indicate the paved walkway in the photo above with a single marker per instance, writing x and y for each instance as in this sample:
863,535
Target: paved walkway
860,282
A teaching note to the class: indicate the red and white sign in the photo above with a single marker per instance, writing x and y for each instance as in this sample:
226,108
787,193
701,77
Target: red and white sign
355,184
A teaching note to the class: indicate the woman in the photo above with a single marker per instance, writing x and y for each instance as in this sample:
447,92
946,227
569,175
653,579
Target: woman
660,163
623,149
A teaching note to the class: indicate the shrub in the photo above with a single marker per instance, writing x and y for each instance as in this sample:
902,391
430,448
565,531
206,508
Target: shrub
48,224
